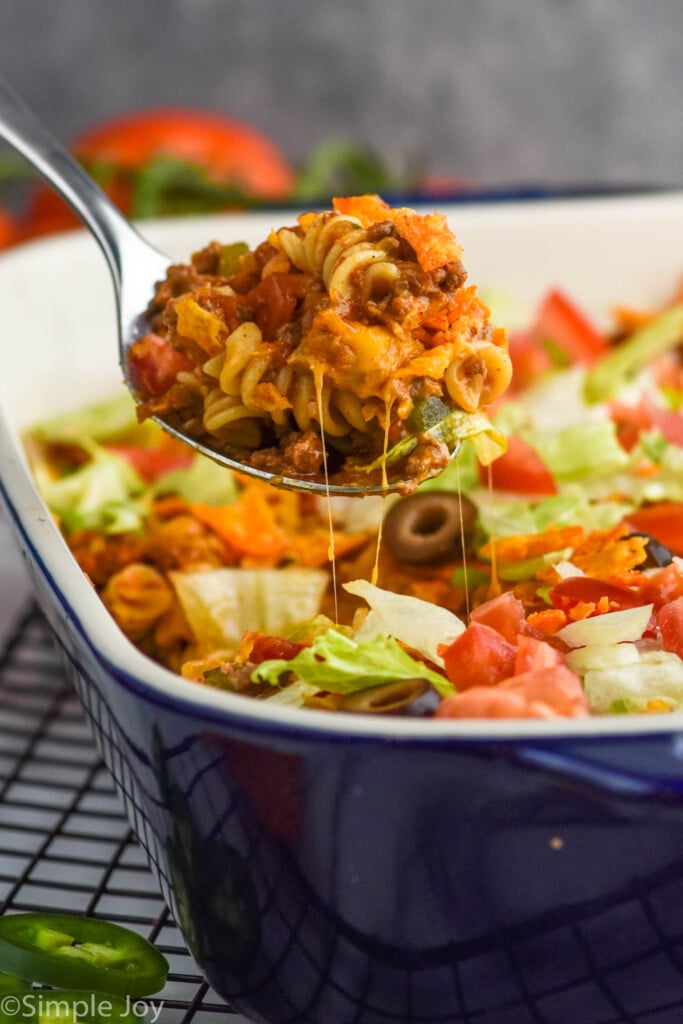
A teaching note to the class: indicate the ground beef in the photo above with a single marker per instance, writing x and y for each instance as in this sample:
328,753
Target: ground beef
427,459
237,679
300,455
305,453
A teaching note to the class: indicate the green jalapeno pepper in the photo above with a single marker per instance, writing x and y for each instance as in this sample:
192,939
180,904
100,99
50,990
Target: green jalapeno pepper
80,953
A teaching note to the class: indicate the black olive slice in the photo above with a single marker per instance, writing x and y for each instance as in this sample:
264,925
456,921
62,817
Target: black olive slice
426,527
411,697
658,555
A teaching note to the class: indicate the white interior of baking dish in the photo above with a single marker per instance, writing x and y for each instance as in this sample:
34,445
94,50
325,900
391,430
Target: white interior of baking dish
59,351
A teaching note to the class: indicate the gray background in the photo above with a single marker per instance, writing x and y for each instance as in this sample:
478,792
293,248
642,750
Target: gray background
500,92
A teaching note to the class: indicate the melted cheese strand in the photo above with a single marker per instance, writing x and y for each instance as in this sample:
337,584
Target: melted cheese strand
385,484
494,587
318,374
463,546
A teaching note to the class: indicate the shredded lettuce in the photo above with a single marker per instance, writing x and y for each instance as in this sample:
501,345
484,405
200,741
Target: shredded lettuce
305,632
656,675
418,624
103,494
664,485
667,484
506,517
624,626
202,481
552,403
580,451
222,604
341,664
99,421
528,568
452,428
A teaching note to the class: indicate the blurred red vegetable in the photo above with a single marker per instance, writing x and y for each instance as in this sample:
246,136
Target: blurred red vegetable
9,231
170,161
520,470
165,162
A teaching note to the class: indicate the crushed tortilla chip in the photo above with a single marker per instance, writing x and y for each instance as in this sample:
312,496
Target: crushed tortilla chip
586,609
548,621
657,706
605,554
199,325
368,209
519,547
630,319
313,548
429,234
249,526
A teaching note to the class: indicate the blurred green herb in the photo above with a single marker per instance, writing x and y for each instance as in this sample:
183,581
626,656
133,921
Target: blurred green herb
168,187
341,167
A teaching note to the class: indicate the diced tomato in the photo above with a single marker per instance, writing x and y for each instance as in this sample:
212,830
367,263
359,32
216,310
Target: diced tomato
491,702
504,613
632,420
9,232
663,521
520,470
229,150
662,586
264,647
560,322
554,685
121,151
274,300
478,657
553,692
586,590
534,655
153,462
670,622
155,364
529,359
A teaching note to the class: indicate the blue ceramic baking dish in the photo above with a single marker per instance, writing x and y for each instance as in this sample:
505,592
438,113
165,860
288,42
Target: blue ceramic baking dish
334,870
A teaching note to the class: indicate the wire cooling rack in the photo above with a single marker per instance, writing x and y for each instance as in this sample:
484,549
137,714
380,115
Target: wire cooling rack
65,843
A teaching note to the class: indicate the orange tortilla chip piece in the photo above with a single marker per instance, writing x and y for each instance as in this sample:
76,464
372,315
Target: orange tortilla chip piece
249,526
369,209
548,621
312,548
521,546
605,554
429,234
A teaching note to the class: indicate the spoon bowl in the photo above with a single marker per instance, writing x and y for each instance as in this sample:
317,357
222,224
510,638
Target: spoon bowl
136,267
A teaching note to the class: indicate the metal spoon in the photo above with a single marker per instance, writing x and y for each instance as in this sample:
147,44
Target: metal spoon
136,266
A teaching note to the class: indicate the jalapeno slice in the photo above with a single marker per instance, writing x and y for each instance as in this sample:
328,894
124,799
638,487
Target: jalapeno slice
80,953
10,985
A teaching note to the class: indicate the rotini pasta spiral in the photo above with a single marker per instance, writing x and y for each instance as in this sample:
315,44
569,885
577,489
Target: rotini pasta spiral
338,325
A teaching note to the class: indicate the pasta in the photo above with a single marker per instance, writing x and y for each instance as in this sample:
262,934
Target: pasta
322,344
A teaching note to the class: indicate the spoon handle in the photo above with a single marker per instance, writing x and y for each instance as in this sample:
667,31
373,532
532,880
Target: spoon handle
25,133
